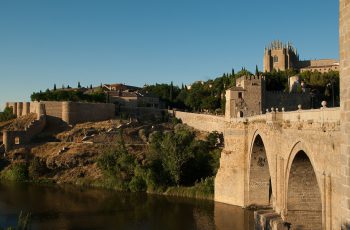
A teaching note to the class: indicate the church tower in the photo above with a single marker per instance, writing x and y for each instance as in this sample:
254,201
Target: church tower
280,56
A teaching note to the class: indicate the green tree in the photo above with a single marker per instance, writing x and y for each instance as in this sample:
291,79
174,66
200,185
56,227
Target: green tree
7,114
176,151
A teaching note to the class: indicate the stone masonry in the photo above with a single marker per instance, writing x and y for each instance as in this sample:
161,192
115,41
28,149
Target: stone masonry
344,44
289,161
68,112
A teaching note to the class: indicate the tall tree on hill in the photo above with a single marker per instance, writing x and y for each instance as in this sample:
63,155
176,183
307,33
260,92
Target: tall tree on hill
79,86
256,70
233,72
171,91
54,87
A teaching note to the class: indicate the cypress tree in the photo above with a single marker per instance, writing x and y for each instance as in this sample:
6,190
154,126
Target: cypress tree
171,91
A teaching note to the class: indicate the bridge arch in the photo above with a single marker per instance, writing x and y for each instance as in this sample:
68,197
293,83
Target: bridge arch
260,189
303,194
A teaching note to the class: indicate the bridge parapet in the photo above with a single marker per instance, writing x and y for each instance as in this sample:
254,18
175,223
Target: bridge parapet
323,115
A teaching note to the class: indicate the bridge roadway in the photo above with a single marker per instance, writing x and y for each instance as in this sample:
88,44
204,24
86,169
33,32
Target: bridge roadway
289,161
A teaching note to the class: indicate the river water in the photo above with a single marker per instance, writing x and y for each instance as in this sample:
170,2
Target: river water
69,207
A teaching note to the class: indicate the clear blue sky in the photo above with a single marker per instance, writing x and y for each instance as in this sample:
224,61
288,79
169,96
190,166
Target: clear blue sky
43,42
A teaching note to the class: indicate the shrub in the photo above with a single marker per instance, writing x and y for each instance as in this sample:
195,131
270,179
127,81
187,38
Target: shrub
202,190
107,162
137,184
118,166
36,168
176,121
16,172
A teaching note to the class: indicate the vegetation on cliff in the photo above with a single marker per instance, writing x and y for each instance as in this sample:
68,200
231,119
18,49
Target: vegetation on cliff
174,158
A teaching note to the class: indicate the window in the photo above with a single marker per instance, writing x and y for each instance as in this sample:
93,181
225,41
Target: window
275,59
240,95
16,140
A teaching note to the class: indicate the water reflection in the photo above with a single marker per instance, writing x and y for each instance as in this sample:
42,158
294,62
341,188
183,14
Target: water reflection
68,207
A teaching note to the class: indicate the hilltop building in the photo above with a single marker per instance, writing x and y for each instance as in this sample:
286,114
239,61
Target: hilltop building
130,96
281,56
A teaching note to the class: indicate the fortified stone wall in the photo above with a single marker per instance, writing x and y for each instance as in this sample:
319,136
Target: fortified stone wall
202,122
344,40
142,112
53,108
76,112
288,101
68,112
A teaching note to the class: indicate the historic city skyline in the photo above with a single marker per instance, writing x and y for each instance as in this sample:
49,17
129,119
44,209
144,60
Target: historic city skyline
63,43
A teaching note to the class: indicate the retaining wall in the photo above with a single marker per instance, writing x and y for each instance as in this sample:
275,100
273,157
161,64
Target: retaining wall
202,122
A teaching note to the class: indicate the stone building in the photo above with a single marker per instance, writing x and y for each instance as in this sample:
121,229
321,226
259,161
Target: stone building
281,56
249,97
130,96
322,65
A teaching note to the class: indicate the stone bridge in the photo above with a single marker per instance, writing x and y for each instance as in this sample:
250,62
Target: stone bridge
298,163
289,161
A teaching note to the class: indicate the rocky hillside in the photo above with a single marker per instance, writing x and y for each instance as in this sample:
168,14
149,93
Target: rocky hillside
72,157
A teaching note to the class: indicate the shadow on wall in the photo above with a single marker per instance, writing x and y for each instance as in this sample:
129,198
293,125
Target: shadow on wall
346,227
54,125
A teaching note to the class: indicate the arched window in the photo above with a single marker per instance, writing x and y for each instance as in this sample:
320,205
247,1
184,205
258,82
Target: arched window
275,59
